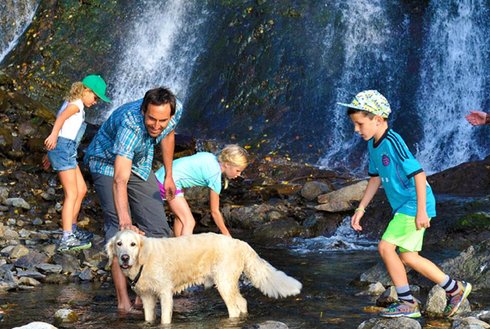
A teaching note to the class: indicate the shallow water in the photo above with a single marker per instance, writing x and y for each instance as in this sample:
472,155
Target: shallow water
327,300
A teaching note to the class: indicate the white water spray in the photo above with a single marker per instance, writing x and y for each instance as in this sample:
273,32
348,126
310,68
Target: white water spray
161,50
453,82
15,17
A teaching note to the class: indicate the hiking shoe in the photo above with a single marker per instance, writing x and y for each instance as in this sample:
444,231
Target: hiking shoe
82,234
399,309
454,302
72,243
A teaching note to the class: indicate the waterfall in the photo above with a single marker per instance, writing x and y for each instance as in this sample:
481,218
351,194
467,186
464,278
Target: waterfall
15,17
454,80
161,48
344,239
371,61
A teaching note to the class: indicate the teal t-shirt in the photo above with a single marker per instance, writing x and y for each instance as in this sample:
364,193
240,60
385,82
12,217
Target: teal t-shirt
392,161
200,169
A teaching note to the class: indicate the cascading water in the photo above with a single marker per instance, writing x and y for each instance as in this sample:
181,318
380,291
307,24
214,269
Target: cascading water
15,17
160,50
344,239
454,80
371,61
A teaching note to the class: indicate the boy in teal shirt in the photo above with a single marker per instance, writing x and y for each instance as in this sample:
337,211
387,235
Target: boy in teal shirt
392,165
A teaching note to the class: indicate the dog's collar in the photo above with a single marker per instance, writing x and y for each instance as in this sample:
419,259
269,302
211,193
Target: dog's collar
133,283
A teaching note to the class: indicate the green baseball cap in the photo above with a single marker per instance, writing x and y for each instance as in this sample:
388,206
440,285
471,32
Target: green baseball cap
370,101
97,85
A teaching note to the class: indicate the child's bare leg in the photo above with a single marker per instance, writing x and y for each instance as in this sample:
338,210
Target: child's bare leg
68,179
393,263
178,226
181,209
423,266
81,192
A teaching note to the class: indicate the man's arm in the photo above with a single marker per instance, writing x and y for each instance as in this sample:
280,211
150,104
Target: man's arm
168,146
122,172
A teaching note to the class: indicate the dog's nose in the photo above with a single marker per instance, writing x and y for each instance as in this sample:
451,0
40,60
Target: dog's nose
125,257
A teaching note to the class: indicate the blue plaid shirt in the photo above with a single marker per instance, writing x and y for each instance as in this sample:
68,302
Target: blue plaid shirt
124,133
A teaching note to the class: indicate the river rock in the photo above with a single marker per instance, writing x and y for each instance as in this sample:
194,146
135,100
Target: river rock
311,190
65,315
278,229
18,251
342,199
49,268
470,323
37,325
472,265
17,203
374,289
398,323
31,259
268,325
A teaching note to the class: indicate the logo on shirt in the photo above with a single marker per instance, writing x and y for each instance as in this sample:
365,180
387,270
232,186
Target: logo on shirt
385,160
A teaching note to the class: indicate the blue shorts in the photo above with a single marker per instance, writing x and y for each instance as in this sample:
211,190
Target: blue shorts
64,155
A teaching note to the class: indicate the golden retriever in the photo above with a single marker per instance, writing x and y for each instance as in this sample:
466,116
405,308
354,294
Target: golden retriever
160,267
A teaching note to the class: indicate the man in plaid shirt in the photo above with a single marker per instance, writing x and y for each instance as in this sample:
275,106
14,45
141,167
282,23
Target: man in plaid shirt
120,159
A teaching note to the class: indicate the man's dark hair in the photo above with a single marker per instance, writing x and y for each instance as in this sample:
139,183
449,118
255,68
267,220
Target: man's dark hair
159,96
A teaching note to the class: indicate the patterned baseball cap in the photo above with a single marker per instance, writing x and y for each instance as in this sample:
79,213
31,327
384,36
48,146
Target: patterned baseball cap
370,101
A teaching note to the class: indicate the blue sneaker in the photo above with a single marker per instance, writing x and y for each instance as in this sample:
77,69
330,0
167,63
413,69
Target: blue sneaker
82,234
72,243
399,309
454,302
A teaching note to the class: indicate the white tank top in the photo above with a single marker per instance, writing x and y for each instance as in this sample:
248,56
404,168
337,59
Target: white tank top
72,124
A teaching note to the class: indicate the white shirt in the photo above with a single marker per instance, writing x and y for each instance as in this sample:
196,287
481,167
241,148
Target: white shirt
71,125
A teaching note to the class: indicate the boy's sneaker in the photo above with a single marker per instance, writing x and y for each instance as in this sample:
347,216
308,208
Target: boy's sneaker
82,234
454,302
72,243
399,309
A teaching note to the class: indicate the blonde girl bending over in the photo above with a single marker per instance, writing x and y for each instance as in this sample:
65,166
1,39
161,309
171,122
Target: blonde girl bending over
202,169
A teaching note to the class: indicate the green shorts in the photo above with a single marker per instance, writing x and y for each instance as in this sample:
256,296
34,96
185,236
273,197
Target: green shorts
402,232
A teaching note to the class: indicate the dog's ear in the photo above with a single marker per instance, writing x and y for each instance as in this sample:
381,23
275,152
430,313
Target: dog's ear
109,248
143,252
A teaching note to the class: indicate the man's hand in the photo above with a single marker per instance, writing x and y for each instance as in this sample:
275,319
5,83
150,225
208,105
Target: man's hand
129,226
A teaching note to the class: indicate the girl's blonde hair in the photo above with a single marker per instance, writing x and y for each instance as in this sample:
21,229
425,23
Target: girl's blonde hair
234,155
76,91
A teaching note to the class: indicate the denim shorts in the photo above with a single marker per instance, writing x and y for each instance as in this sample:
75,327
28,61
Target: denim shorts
64,155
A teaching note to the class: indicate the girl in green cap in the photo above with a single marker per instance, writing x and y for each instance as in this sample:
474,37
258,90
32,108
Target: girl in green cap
62,145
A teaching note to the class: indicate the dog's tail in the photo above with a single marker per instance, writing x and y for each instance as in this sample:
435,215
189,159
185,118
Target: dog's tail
265,277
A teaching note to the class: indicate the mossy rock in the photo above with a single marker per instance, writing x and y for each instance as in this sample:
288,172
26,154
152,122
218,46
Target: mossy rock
479,221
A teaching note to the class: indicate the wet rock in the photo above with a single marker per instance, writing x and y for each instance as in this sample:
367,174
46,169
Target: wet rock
17,203
374,289
30,274
31,260
470,323
399,323
28,281
86,275
37,325
342,199
377,273
268,325
49,268
472,265
69,261
436,302
65,315
277,230
311,190
18,251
